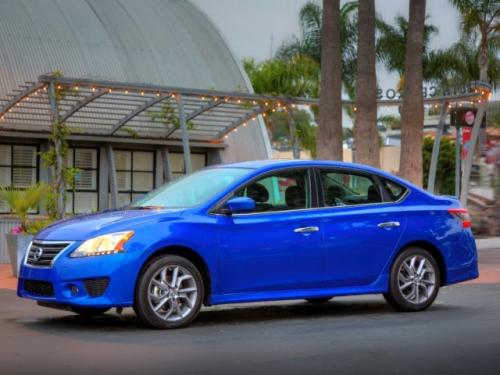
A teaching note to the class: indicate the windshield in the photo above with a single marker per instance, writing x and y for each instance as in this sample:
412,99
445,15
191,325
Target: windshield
191,190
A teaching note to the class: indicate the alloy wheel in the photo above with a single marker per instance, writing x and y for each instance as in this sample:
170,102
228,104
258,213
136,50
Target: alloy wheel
416,279
172,293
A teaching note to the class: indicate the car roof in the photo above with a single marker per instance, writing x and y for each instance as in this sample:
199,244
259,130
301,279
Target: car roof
270,164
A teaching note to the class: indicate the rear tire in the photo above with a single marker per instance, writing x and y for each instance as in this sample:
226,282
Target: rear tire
414,280
318,301
169,292
89,311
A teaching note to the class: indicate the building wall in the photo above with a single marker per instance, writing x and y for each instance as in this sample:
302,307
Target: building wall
163,42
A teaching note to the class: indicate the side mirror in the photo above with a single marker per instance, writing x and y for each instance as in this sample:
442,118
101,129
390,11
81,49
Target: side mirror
239,204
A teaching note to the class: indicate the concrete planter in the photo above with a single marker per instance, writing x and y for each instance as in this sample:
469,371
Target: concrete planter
17,245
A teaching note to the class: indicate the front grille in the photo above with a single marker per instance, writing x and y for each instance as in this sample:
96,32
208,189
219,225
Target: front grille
96,287
42,253
39,288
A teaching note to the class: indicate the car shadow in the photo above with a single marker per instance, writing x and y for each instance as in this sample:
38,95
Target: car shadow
111,326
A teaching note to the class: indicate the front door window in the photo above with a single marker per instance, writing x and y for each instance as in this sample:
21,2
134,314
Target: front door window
284,190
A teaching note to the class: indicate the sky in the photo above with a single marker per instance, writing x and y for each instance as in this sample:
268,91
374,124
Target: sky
256,28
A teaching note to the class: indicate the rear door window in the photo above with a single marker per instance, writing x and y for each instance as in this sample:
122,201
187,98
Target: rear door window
345,188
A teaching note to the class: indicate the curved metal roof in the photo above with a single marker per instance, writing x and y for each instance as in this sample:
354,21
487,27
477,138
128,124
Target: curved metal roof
161,42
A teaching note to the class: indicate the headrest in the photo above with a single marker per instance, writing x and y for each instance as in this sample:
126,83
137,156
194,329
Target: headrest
373,196
295,197
258,193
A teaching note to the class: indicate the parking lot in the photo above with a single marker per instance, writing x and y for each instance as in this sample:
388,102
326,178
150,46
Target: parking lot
460,333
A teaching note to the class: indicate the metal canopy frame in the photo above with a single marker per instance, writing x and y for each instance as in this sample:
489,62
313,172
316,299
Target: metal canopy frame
104,109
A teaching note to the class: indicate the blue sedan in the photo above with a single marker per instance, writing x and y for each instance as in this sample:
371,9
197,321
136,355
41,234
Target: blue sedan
255,231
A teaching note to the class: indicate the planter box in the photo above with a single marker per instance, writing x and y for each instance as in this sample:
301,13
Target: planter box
17,246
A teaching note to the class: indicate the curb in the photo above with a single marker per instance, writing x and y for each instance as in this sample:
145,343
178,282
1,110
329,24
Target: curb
488,243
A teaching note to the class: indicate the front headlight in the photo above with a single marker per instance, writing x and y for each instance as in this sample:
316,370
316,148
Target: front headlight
107,244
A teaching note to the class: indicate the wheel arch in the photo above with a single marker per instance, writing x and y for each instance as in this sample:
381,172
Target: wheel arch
190,255
431,248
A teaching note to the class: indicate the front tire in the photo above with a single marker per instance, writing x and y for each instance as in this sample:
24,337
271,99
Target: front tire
169,292
414,280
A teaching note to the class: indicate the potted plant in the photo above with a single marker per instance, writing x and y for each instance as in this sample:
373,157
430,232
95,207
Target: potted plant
21,202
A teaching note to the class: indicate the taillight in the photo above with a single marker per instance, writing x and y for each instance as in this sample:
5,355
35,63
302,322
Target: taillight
462,215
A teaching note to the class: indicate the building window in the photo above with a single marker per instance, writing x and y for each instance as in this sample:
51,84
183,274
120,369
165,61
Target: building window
134,174
18,168
198,161
84,197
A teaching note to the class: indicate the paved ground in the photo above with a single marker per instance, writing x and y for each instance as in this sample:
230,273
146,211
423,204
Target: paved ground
460,334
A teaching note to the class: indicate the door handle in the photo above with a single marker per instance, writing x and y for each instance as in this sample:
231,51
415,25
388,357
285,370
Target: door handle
389,224
306,230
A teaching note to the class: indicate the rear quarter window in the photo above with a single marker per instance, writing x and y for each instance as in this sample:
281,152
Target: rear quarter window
394,190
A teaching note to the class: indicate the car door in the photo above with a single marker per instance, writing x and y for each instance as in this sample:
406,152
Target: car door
361,226
278,246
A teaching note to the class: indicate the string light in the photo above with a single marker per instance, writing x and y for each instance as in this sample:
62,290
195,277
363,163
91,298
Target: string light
244,124
225,137
142,93
254,118
264,115
109,90
93,89
158,94
77,88
126,91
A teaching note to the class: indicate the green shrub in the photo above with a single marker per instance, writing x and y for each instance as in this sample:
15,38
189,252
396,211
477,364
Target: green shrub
445,175
21,201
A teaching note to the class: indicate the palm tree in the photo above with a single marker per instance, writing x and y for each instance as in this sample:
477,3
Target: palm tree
464,66
298,76
412,115
329,140
391,47
309,43
365,129
480,19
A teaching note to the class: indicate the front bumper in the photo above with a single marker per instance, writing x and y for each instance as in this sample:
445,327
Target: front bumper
99,281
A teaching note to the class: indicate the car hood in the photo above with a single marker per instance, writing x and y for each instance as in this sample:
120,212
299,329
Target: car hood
83,227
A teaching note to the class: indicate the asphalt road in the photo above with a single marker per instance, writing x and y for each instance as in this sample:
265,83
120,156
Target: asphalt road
460,334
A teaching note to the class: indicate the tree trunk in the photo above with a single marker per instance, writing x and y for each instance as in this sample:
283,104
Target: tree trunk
329,139
412,117
366,138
